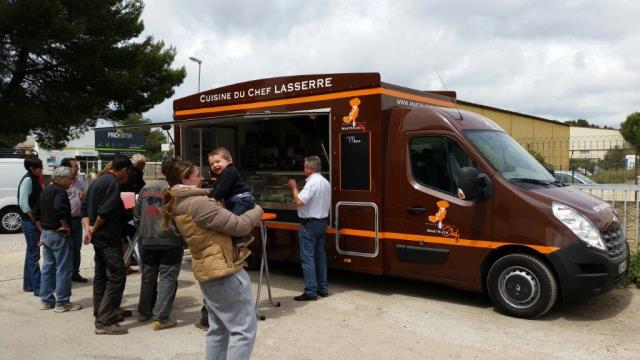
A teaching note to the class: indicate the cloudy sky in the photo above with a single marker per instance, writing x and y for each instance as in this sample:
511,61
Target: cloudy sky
557,59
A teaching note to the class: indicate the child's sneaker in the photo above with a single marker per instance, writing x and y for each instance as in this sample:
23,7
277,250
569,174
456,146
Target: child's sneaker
164,324
240,255
246,241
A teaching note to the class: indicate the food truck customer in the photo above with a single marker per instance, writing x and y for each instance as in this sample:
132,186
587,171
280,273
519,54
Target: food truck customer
313,204
231,188
205,226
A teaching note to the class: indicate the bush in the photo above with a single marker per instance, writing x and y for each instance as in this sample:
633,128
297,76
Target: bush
633,276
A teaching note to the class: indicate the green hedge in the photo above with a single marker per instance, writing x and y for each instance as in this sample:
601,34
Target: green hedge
633,276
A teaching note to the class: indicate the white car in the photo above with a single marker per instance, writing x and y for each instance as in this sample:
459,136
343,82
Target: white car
572,177
12,170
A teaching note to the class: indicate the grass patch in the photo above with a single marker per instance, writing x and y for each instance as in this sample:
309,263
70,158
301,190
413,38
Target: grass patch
633,276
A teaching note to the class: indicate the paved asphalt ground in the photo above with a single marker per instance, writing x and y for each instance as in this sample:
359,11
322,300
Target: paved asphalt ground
365,317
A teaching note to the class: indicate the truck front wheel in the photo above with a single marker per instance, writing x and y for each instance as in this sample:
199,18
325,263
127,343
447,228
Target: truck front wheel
520,285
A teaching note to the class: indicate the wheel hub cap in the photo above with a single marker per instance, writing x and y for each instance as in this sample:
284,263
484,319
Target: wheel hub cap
519,287
11,221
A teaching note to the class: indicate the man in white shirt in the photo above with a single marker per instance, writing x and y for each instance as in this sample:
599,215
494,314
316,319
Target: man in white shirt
313,202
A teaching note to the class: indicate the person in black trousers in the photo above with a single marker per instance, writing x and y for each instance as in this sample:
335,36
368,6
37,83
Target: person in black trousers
102,219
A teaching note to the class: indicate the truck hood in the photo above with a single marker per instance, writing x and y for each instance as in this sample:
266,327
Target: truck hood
599,212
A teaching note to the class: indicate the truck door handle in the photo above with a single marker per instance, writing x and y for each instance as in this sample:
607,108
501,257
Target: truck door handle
416,210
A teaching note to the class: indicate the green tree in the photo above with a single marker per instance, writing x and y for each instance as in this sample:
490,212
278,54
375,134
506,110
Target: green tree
66,63
630,129
538,156
583,123
613,159
153,139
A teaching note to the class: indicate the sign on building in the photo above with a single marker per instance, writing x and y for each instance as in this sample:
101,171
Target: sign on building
112,139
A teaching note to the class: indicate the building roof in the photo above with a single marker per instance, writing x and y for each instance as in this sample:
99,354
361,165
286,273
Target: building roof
512,112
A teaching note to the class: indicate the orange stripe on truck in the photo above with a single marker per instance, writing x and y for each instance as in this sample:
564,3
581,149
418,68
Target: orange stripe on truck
417,238
313,98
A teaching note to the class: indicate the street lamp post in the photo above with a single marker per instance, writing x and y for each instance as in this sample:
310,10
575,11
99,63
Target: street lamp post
199,63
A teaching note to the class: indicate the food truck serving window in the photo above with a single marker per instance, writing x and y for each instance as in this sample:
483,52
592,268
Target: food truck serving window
354,161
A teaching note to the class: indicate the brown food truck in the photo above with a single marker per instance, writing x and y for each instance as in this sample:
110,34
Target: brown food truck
420,189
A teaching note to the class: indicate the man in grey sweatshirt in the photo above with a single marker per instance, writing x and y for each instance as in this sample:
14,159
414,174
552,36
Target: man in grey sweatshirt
161,255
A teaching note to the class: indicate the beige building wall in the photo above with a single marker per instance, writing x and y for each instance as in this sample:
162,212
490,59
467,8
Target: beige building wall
546,137
592,143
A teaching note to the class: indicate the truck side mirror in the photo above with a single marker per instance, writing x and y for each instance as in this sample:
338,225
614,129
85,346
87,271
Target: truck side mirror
470,184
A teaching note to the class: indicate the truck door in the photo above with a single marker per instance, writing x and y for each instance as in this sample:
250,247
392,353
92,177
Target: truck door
442,236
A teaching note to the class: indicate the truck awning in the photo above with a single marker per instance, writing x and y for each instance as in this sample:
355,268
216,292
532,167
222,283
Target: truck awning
219,119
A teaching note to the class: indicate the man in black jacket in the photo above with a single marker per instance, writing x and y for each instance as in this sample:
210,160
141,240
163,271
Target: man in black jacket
53,215
102,219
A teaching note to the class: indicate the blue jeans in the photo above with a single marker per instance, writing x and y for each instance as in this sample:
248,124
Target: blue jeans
312,255
239,205
76,244
31,275
57,268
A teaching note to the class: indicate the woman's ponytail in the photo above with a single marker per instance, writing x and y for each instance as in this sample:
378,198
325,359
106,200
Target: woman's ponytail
167,208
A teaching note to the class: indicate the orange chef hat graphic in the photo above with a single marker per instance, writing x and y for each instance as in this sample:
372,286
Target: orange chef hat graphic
441,214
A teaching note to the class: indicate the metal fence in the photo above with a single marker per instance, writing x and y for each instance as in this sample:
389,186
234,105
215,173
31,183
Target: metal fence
625,199
603,159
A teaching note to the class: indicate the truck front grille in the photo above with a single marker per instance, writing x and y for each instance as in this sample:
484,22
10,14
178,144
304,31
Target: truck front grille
615,241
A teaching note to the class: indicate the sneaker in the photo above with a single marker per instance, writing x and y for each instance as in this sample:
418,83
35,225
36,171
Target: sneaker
323,294
78,279
67,307
113,329
240,255
246,241
142,317
201,326
124,313
305,297
164,324
46,306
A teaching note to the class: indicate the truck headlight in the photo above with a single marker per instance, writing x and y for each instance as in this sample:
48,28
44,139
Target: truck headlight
579,225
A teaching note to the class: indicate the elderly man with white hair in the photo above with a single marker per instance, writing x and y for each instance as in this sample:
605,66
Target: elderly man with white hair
136,182
53,215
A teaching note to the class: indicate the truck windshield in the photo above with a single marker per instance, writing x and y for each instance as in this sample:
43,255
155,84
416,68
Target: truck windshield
508,157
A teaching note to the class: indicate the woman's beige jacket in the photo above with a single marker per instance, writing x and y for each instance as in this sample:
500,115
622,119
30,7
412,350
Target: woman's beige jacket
207,228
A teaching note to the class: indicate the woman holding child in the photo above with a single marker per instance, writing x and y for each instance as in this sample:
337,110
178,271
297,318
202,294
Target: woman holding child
207,228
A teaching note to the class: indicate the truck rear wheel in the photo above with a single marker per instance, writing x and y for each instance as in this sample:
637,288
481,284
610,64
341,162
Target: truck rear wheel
10,221
520,285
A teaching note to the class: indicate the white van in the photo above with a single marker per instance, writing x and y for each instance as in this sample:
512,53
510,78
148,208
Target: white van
12,171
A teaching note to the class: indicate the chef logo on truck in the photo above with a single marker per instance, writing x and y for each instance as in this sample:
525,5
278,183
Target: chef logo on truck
350,122
437,219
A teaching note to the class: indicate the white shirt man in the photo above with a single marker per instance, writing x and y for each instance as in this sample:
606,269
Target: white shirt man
313,202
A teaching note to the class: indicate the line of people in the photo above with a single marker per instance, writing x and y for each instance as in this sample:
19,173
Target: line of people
169,211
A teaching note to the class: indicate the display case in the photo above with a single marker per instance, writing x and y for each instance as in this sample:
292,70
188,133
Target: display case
271,190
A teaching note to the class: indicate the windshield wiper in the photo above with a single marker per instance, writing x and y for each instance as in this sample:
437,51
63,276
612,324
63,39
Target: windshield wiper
539,182
532,181
559,183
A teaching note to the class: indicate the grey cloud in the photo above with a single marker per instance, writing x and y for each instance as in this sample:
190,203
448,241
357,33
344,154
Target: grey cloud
561,60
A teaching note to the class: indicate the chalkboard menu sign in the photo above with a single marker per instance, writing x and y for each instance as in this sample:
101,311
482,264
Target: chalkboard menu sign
354,161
